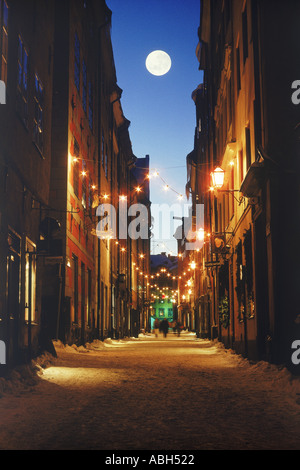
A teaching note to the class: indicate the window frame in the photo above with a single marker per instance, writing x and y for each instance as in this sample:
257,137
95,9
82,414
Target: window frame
38,119
4,32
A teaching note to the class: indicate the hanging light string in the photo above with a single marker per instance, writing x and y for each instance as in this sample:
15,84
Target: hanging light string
166,187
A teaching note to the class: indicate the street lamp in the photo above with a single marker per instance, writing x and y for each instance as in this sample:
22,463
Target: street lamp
217,177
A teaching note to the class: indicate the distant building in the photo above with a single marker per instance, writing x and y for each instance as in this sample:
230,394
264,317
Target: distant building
163,283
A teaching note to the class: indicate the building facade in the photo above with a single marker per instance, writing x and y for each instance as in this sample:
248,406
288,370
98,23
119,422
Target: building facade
246,129
68,172
26,67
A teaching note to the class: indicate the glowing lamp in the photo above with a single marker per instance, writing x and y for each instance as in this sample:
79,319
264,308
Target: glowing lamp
200,234
217,178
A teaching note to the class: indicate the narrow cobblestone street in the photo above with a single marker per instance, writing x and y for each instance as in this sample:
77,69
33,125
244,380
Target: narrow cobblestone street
150,394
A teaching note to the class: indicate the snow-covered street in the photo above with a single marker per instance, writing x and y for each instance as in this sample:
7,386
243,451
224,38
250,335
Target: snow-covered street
150,394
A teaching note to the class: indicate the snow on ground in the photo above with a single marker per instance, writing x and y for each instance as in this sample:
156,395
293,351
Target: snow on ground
149,393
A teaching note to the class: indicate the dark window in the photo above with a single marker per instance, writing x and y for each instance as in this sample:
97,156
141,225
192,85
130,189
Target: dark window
22,91
84,86
103,149
106,162
82,294
38,126
77,62
89,298
91,108
238,69
227,12
245,34
75,287
3,40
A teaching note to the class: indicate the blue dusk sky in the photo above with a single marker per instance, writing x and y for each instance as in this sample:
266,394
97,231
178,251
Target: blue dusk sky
160,108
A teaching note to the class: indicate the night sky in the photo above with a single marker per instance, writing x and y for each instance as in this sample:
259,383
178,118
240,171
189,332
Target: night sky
160,108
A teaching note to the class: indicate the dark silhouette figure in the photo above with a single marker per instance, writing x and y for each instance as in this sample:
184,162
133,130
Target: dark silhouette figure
178,327
164,326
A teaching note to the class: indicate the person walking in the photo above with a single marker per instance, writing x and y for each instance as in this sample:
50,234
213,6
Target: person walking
156,327
165,327
178,327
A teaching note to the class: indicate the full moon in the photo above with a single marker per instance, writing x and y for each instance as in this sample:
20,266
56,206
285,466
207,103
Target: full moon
158,63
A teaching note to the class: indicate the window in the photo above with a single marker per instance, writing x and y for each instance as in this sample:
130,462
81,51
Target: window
106,162
77,62
245,34
89,297
103,147
238,69
161,312
84,86
3,40
76,169
83,318
248,147
75,287
30,282
38,125
22,95
241,165
232,188
91,109
83,199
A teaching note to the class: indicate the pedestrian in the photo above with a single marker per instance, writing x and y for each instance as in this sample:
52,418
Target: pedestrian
178,327
165,327
156,327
